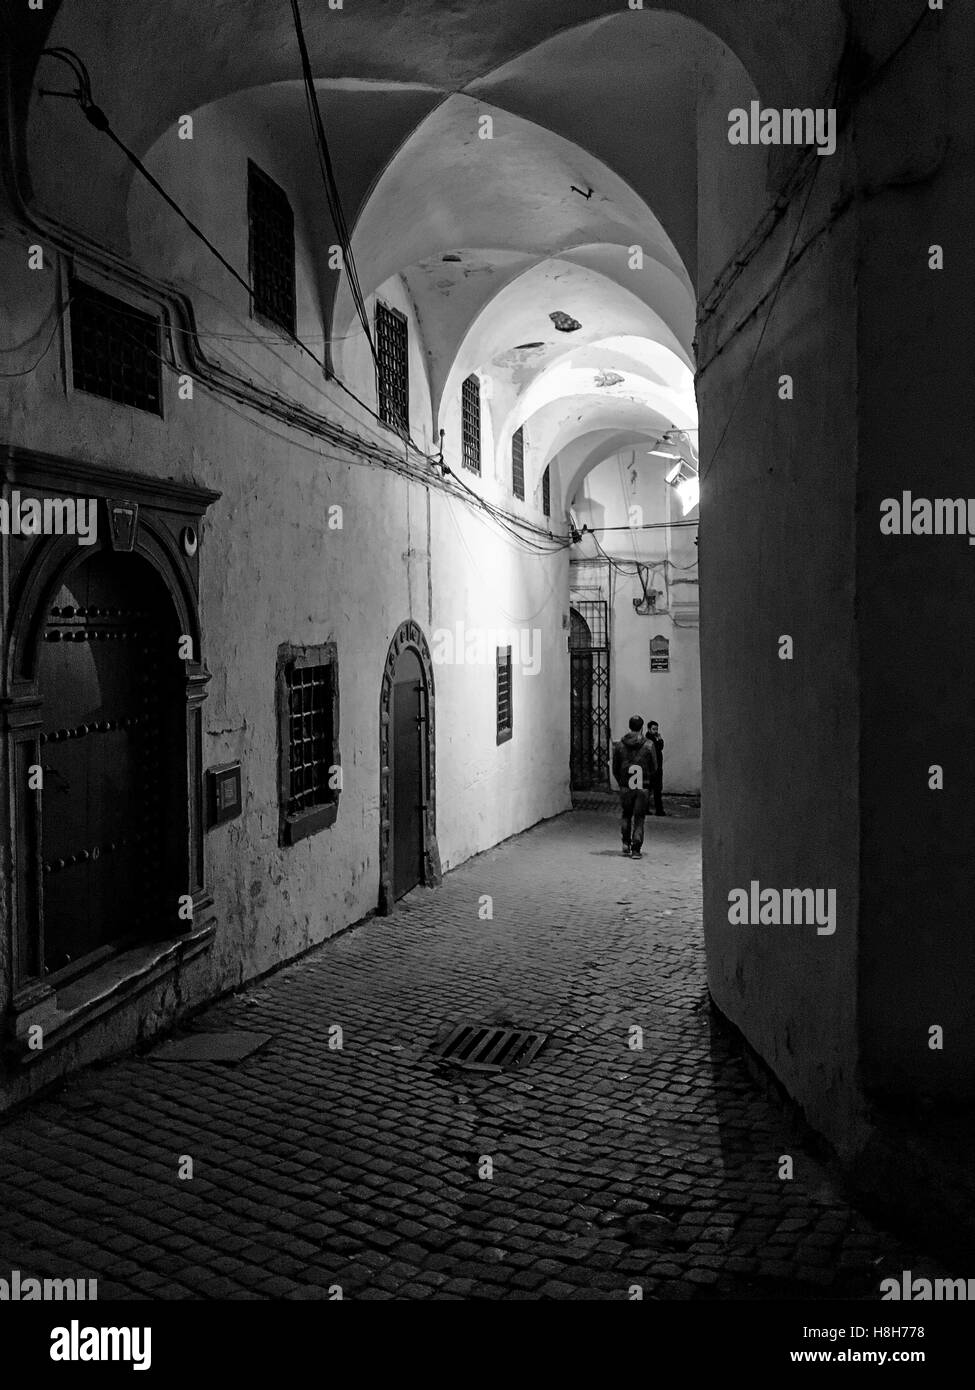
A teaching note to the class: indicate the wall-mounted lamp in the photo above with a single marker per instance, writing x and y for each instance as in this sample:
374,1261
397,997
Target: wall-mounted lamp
686,483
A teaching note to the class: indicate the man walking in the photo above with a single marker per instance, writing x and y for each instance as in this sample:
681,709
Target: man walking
657,785
634,765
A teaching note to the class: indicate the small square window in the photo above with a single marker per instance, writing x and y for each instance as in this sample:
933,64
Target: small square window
308,722
504,694
272,250
114,349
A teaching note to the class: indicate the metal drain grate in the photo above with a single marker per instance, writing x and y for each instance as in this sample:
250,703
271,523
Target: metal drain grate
483,1047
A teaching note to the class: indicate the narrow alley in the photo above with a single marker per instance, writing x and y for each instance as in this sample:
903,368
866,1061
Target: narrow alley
373,1170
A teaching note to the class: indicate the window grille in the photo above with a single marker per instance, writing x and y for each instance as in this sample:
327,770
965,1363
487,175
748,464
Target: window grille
588,624
394,382
272,250
470,423
518,463
308,715
504,694
114,349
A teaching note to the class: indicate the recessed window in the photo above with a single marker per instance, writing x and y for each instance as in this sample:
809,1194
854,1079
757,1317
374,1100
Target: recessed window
272,250
308,719
114,349
518,463
504,694
546,494
392,349
470,415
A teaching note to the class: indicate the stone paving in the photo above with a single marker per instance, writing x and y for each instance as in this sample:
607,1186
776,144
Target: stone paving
366,1168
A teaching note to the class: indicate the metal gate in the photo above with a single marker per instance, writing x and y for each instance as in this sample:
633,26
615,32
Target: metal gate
589,675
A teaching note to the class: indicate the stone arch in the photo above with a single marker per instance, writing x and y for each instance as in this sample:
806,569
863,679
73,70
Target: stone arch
58,557
158,524
410,635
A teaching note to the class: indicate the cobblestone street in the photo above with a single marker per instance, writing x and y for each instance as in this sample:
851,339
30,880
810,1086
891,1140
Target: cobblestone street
363,1166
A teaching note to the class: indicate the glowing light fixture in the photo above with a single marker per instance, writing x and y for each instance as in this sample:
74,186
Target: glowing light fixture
689,492
686,483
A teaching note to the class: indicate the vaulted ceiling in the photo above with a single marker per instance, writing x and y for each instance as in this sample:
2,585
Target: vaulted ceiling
590,109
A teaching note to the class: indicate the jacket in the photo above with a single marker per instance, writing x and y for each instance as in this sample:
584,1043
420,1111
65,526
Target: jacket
634,751
658,743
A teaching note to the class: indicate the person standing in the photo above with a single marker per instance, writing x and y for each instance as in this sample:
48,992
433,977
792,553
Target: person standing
634,765
657,785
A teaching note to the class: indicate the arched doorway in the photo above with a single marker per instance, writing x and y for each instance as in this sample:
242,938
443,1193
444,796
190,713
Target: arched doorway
409,733
408,846
589,713
113,812
103,693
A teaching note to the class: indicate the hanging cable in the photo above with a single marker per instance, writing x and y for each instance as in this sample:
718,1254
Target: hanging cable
97,118
26,371
328,179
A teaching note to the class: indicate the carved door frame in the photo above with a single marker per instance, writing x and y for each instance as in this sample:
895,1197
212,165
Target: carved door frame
158,520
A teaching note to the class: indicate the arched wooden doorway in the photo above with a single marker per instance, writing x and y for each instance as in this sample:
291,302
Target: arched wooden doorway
408,853
113,738
101,693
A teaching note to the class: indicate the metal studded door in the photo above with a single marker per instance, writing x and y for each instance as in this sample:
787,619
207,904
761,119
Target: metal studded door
589,678
111,810
409,734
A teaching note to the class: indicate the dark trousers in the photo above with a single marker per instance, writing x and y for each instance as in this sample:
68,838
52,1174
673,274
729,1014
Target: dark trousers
657,786
634,806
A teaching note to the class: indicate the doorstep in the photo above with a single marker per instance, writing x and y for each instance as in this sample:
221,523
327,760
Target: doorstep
61,1013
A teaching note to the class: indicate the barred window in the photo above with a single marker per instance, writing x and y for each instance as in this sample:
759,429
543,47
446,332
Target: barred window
470,417
392,349
546,494
310,775
114,349
272,249
504,694
518,463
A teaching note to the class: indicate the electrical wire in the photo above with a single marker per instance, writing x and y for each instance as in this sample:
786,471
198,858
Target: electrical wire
644,526
328,179
26,342
705,472
357,447
547,542
26,371
861,87
97,118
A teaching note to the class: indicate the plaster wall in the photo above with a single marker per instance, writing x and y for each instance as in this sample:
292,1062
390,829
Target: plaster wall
777,555
272,571
916,592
